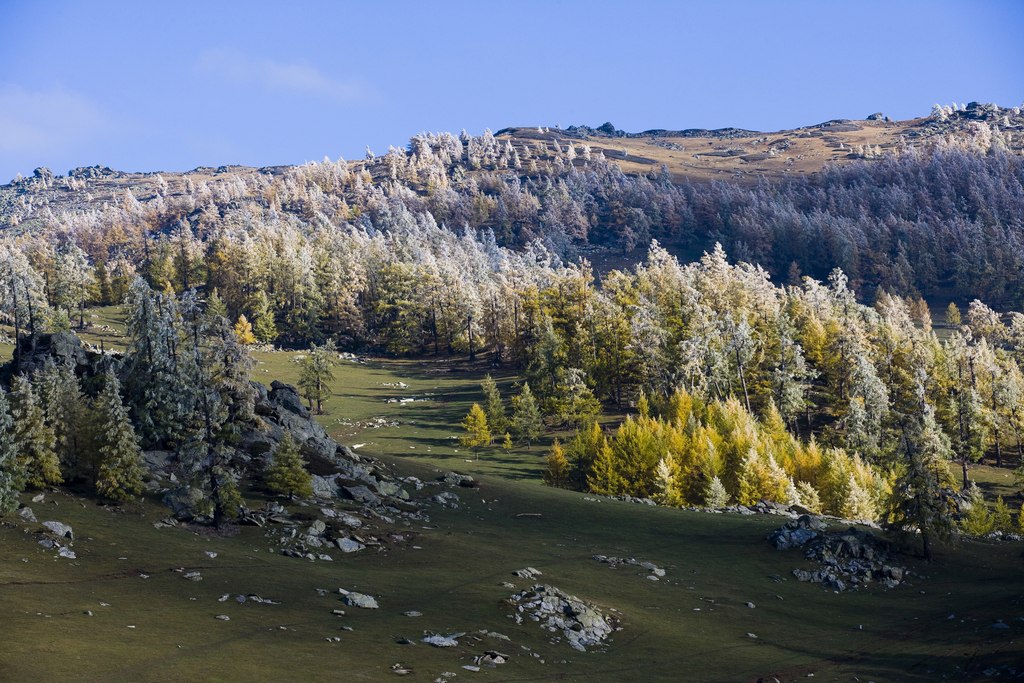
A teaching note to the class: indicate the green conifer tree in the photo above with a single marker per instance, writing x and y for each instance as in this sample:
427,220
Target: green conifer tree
526,418
12,474
318,373
215,306
33,437
118,453
493,406
264,327
287,472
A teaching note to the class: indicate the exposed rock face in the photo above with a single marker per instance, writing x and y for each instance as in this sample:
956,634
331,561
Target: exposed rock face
281,411
62,348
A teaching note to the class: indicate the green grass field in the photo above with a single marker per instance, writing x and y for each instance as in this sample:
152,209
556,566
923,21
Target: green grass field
690,626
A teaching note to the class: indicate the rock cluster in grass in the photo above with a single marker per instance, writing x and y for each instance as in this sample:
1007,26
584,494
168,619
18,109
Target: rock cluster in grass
655,570
849,559
581,623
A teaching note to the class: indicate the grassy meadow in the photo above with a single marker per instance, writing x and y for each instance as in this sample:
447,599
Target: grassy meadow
692,625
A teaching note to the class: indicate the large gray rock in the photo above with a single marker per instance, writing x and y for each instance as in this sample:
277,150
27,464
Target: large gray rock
324,487
281,411
62,530
184,500
347,545
361,494
389,488
159,460
287,396
26,514
360,600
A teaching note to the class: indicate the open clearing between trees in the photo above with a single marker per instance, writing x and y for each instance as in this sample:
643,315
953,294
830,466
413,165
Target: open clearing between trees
692,624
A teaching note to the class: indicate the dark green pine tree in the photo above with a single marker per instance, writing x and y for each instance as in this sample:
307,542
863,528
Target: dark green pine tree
917,502
119,455
287,472
33,438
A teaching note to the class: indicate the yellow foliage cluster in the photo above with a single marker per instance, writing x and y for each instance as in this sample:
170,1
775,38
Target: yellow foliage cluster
674,458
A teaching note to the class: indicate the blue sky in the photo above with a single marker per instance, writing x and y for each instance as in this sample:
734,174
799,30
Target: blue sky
147,86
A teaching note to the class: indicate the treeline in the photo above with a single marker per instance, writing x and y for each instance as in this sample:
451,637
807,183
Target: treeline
910,222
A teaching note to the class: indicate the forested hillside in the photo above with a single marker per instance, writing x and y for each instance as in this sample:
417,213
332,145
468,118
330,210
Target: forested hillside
466,245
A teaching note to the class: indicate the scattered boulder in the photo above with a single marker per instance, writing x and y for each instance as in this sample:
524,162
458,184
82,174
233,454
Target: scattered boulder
26,514
849,558
797,532
527,573
877,116
655,570
360,600
582,624
446,499
184,500
347,545
192,576
441,641
62,530
456,479
361,494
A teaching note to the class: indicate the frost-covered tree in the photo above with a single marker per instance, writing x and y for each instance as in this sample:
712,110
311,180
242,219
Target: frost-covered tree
917,501
119,458
223,403
160,382
61,394
527,421
73,276
716,496
12,472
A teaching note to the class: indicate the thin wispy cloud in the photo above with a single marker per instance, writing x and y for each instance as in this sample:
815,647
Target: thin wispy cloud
294,77
41,121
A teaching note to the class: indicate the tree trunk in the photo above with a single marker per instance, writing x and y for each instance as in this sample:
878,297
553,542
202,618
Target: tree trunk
743,380
927,547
